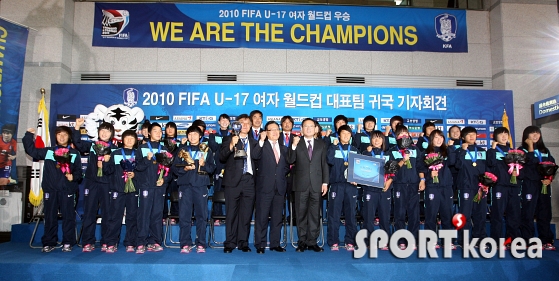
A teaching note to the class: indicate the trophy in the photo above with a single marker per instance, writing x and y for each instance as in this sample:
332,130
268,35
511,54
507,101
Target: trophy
203,152
186,157
239,153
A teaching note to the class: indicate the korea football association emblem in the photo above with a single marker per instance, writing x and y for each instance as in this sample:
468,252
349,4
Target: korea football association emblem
446,26
130,97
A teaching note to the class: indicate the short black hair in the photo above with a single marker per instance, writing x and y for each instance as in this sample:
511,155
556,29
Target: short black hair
194,129
107,126
223,115
11,128
427,125
243,116
467,130
499,131
344,128
153,125
338,118
254,112
369,118
400,128
270,123
287,117
146,124
63,129
130,133
379,134
199,123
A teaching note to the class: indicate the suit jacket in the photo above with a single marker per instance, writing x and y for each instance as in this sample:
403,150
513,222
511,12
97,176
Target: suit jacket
269,174
309,172
234,166
282,138
251,133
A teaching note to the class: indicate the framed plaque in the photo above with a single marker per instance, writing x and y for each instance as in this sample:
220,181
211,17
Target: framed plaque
366,170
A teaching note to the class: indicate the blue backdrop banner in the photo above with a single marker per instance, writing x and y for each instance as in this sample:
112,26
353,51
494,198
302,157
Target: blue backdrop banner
128,105
13,42
279,26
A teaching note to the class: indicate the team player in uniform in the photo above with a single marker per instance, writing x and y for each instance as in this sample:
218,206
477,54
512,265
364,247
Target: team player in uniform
406,185
438,196
151,191
363,137
193,181
59,188
423,140
534,201
377,199
8,148
171,186
389,132
505,196
343,195
471,162
331,136
214,141
122,198
97,196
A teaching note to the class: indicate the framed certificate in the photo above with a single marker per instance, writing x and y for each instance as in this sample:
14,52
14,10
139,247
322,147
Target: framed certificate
366,170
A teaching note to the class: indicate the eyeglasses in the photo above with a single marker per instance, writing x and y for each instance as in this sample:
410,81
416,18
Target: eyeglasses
273,130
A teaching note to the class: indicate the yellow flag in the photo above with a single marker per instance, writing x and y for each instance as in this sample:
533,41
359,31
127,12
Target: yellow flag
506,125
42,140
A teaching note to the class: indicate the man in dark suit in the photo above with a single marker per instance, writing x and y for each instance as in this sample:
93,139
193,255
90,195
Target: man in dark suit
271,186
286,138
256,120
310,183
214,141
238,184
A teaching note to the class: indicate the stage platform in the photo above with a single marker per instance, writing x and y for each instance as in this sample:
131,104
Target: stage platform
19,262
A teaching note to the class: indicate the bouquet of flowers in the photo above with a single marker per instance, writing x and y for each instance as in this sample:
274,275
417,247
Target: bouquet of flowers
62,157
101,148
435,162
515,159
547,169
486,181
128,165
404,142
390,169
170,144
164,159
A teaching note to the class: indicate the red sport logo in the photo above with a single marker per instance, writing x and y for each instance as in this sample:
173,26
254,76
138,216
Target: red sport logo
459,221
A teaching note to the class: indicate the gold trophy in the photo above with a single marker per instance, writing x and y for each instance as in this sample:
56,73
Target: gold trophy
185,156
203,152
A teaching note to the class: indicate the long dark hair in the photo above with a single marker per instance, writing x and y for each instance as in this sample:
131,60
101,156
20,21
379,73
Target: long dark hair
431,148
538,145
170,125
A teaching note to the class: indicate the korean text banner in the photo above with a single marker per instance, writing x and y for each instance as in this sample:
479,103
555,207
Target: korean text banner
277,26
128,105
13,42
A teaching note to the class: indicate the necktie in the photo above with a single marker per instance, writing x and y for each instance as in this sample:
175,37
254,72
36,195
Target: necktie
309,148
256,132
286,140
276,152
245,165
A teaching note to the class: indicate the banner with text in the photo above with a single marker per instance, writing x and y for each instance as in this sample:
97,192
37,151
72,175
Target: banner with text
279,26
128,105
13,42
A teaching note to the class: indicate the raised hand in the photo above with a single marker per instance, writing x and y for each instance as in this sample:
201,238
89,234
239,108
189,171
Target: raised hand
296,140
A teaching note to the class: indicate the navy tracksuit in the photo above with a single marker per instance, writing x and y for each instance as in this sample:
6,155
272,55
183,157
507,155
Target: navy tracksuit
193,191
214,142
467,182
58,192
406,195
505,196
390,140
121,200
362,140
422,143
374,199
534,203
170,187
96,193
151,196
343,195
438,196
